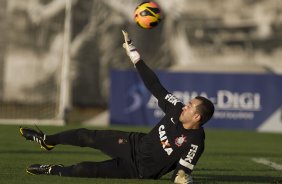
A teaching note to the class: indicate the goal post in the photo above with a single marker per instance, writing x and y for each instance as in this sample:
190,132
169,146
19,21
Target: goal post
65,87
35,62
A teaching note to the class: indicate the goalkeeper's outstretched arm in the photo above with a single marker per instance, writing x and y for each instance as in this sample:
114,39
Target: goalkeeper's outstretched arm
149,78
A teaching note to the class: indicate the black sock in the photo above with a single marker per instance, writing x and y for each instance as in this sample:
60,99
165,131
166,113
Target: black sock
51,140
56,170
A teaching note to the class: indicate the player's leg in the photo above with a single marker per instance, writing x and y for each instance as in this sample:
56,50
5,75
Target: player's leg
114,143
115,168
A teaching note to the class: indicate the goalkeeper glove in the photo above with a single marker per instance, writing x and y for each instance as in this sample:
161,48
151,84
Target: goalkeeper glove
182,178
130,49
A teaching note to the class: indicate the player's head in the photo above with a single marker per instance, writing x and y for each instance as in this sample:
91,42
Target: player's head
205,108
197,112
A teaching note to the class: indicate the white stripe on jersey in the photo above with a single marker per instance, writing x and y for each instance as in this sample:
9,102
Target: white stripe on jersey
186,164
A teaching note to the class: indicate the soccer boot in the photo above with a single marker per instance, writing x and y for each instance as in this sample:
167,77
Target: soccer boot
37,136
37,169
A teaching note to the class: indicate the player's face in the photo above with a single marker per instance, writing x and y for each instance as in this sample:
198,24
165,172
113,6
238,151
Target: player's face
190,113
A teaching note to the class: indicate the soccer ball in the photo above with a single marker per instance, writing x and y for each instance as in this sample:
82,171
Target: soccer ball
148,15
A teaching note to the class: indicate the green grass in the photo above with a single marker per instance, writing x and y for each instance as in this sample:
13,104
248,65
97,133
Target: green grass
227,158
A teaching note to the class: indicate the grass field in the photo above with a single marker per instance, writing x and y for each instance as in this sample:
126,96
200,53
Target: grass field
228,158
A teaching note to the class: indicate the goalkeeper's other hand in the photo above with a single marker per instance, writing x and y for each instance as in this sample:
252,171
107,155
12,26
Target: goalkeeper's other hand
183,178
130,49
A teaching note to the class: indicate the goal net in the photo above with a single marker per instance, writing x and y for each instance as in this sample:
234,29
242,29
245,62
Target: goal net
33,61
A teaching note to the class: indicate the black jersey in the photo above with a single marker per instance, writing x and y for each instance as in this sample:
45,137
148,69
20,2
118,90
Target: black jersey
168,146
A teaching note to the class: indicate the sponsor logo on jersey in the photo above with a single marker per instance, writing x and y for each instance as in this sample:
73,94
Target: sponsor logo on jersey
172,99
191,153
171,119
180,140
164,140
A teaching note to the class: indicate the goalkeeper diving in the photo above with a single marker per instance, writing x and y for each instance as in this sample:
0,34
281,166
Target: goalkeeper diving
175,144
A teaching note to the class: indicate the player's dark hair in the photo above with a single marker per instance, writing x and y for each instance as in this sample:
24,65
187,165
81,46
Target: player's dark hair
205,108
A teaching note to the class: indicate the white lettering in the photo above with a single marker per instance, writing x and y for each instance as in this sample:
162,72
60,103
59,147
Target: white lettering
165,143
191,153
172,99
233,115
238,101
164,140
257,104
233,105
168,151
162,127
162,135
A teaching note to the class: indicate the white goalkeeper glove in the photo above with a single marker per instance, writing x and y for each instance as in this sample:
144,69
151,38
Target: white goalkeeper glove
183,178
130,49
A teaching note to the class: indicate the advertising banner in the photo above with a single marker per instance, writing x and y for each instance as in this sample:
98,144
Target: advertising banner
242,101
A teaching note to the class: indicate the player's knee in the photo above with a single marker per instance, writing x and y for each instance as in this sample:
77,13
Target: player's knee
85,136
84,169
